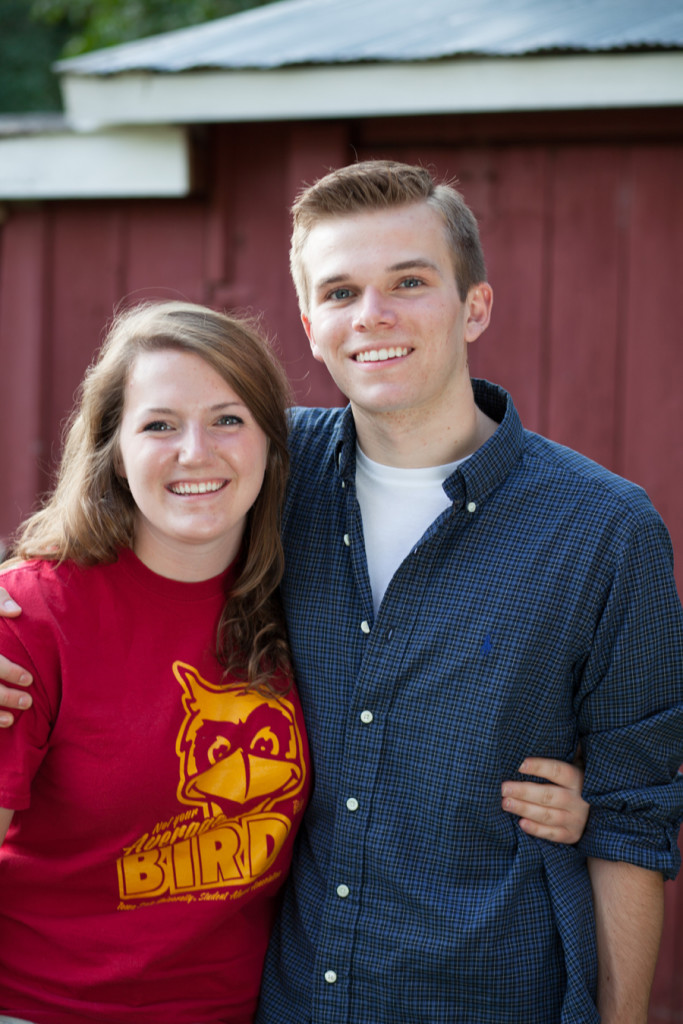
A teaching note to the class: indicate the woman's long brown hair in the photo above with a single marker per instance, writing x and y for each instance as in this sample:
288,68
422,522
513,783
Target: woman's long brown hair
90,514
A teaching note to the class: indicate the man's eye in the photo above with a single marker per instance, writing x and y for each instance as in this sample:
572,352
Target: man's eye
411,282
339,294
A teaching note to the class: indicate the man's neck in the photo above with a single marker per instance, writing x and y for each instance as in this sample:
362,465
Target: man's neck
408,439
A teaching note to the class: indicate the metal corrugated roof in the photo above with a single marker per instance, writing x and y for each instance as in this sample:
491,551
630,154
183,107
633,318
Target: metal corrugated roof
300,32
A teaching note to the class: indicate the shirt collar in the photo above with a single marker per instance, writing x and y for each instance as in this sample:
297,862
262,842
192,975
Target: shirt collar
478,475
491,464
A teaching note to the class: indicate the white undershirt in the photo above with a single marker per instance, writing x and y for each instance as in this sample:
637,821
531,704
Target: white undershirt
397,506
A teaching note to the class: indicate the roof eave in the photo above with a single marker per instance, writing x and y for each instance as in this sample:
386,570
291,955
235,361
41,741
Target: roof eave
462,85
121,163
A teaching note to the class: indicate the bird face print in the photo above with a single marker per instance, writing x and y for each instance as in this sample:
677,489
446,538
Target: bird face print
240,751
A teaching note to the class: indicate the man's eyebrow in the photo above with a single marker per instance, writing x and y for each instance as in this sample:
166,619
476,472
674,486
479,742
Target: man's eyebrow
332,279
417,261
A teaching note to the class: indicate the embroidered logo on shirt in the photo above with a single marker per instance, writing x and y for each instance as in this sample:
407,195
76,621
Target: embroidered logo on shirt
486,645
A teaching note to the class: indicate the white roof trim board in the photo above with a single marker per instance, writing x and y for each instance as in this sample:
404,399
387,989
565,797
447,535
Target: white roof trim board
129,163
469,86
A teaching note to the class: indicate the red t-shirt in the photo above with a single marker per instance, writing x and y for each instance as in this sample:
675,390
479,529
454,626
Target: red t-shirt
155,805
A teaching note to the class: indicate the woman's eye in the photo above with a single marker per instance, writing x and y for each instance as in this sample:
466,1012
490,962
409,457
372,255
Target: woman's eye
157,425
229,420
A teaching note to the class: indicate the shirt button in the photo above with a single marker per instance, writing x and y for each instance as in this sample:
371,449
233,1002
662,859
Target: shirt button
343,891
366,717
471,506
347,540
365,626
352,804
330,977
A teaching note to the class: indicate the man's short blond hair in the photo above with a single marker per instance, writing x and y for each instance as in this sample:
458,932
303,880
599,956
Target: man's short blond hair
379,185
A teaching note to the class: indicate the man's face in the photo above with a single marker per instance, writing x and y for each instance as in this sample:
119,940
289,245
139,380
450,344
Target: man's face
385,315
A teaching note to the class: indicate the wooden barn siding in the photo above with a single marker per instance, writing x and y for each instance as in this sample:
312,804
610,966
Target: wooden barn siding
584,239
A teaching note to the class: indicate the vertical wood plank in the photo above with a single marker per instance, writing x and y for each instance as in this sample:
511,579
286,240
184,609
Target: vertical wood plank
587,247
23,273
86,258
513,234
164,250
651,405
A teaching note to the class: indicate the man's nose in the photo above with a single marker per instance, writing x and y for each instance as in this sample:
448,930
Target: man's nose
374,310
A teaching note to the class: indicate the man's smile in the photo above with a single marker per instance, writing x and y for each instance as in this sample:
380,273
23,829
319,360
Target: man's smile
380,355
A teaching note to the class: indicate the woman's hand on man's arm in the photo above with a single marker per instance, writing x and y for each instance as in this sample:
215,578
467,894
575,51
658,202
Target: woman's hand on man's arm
555,811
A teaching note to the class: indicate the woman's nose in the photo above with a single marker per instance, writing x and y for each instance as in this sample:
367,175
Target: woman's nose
194,445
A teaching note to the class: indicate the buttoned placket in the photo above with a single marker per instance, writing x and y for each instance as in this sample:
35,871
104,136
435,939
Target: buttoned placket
360,759
364,731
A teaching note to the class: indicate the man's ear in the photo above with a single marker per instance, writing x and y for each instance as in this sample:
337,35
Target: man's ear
478,307
311,340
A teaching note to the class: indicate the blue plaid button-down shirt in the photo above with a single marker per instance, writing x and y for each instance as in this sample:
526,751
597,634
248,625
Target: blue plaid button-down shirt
539,610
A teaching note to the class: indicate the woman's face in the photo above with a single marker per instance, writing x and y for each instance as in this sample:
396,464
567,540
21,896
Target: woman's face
194,458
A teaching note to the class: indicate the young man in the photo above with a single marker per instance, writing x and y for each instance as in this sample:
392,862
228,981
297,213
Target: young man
460,593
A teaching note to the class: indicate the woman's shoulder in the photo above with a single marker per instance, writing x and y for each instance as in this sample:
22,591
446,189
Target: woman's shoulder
36,574
45,589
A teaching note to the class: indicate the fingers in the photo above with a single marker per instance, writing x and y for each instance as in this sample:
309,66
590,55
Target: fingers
548,812
554,811
567,836
8,607
12,698
569,776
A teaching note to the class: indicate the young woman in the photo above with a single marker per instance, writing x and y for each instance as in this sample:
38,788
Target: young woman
151,794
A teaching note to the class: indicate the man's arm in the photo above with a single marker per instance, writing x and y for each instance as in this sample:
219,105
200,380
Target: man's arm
629,911
13,674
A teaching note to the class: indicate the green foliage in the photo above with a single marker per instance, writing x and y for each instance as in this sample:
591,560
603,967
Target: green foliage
26,52
93,24
36,33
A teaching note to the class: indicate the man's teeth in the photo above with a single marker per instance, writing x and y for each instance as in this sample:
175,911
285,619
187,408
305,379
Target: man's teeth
202,488
379,355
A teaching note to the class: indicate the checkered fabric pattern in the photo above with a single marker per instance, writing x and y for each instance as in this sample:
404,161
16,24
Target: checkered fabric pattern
538,611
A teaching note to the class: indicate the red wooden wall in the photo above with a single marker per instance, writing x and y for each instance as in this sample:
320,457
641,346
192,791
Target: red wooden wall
582,222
